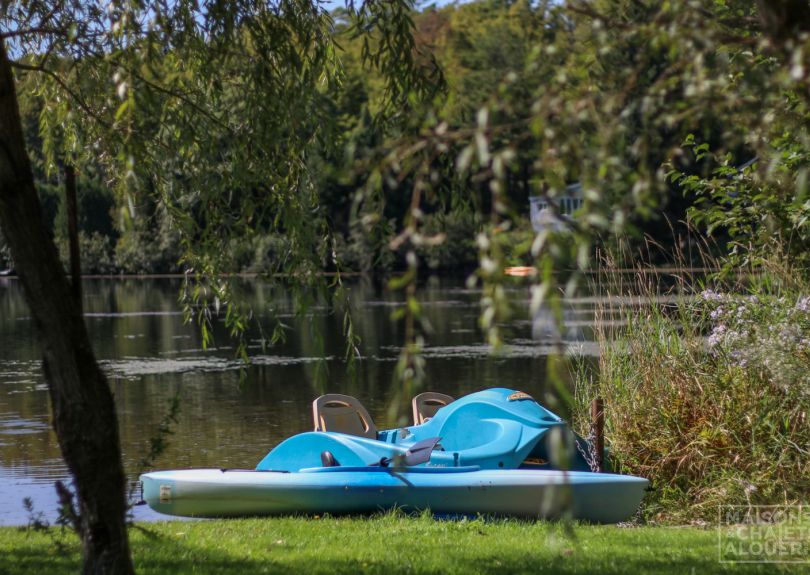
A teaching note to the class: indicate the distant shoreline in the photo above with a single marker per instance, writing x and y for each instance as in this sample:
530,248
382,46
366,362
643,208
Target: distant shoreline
253,275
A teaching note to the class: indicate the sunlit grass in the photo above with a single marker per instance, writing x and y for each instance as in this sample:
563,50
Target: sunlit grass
387,544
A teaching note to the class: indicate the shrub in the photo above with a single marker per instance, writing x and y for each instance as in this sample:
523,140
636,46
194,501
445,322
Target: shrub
458,250
266,253
95,251
148,251
366,249
762,219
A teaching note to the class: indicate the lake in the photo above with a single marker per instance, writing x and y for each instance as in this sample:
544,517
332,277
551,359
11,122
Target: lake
231,416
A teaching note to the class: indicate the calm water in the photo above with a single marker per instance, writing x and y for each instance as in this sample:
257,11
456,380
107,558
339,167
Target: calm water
139,335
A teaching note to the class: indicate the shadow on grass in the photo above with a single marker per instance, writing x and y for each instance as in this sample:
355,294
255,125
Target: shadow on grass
38,560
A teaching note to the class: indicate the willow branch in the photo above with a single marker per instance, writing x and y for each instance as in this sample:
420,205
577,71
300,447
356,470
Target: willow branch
75,96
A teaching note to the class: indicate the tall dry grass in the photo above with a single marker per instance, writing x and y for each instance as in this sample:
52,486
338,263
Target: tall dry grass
706,390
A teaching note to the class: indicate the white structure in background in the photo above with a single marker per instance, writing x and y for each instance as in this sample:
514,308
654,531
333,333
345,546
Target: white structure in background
543,218
544,324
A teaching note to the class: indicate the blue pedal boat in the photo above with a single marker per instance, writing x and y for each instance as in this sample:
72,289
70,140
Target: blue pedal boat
485,453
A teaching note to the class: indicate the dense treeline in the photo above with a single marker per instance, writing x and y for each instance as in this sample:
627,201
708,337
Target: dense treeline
477,45
492,53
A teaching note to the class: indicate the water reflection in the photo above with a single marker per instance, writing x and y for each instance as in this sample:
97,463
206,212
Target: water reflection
230,417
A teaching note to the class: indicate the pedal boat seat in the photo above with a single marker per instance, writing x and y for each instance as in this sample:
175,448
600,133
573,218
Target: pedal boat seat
342,414
425,405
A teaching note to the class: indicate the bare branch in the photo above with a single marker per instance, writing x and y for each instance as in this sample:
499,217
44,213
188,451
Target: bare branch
33,31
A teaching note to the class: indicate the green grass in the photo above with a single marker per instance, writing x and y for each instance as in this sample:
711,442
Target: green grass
386,544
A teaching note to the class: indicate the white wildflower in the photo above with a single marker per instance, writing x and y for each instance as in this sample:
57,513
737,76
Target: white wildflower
803,304
711,295
717,335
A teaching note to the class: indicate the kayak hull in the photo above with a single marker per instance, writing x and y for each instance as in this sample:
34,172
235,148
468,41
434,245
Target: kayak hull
595,497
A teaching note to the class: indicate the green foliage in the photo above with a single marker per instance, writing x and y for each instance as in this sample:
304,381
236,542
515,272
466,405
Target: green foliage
148,245
457,229
361,251
96,204
602,95
96,253
261,254
586,91
211,112
481,44
765,217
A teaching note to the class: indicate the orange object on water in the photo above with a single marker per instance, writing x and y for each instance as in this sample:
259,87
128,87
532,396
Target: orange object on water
520,271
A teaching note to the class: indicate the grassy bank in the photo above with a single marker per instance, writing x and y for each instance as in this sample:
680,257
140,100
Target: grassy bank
709,397
385,544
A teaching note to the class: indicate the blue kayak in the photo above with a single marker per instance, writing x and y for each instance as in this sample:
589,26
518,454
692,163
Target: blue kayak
484,453
595,497
492,429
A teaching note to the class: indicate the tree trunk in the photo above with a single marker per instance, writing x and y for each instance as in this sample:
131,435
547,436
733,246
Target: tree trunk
84,415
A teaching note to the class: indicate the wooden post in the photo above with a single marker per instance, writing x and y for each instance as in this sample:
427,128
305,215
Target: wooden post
598,423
